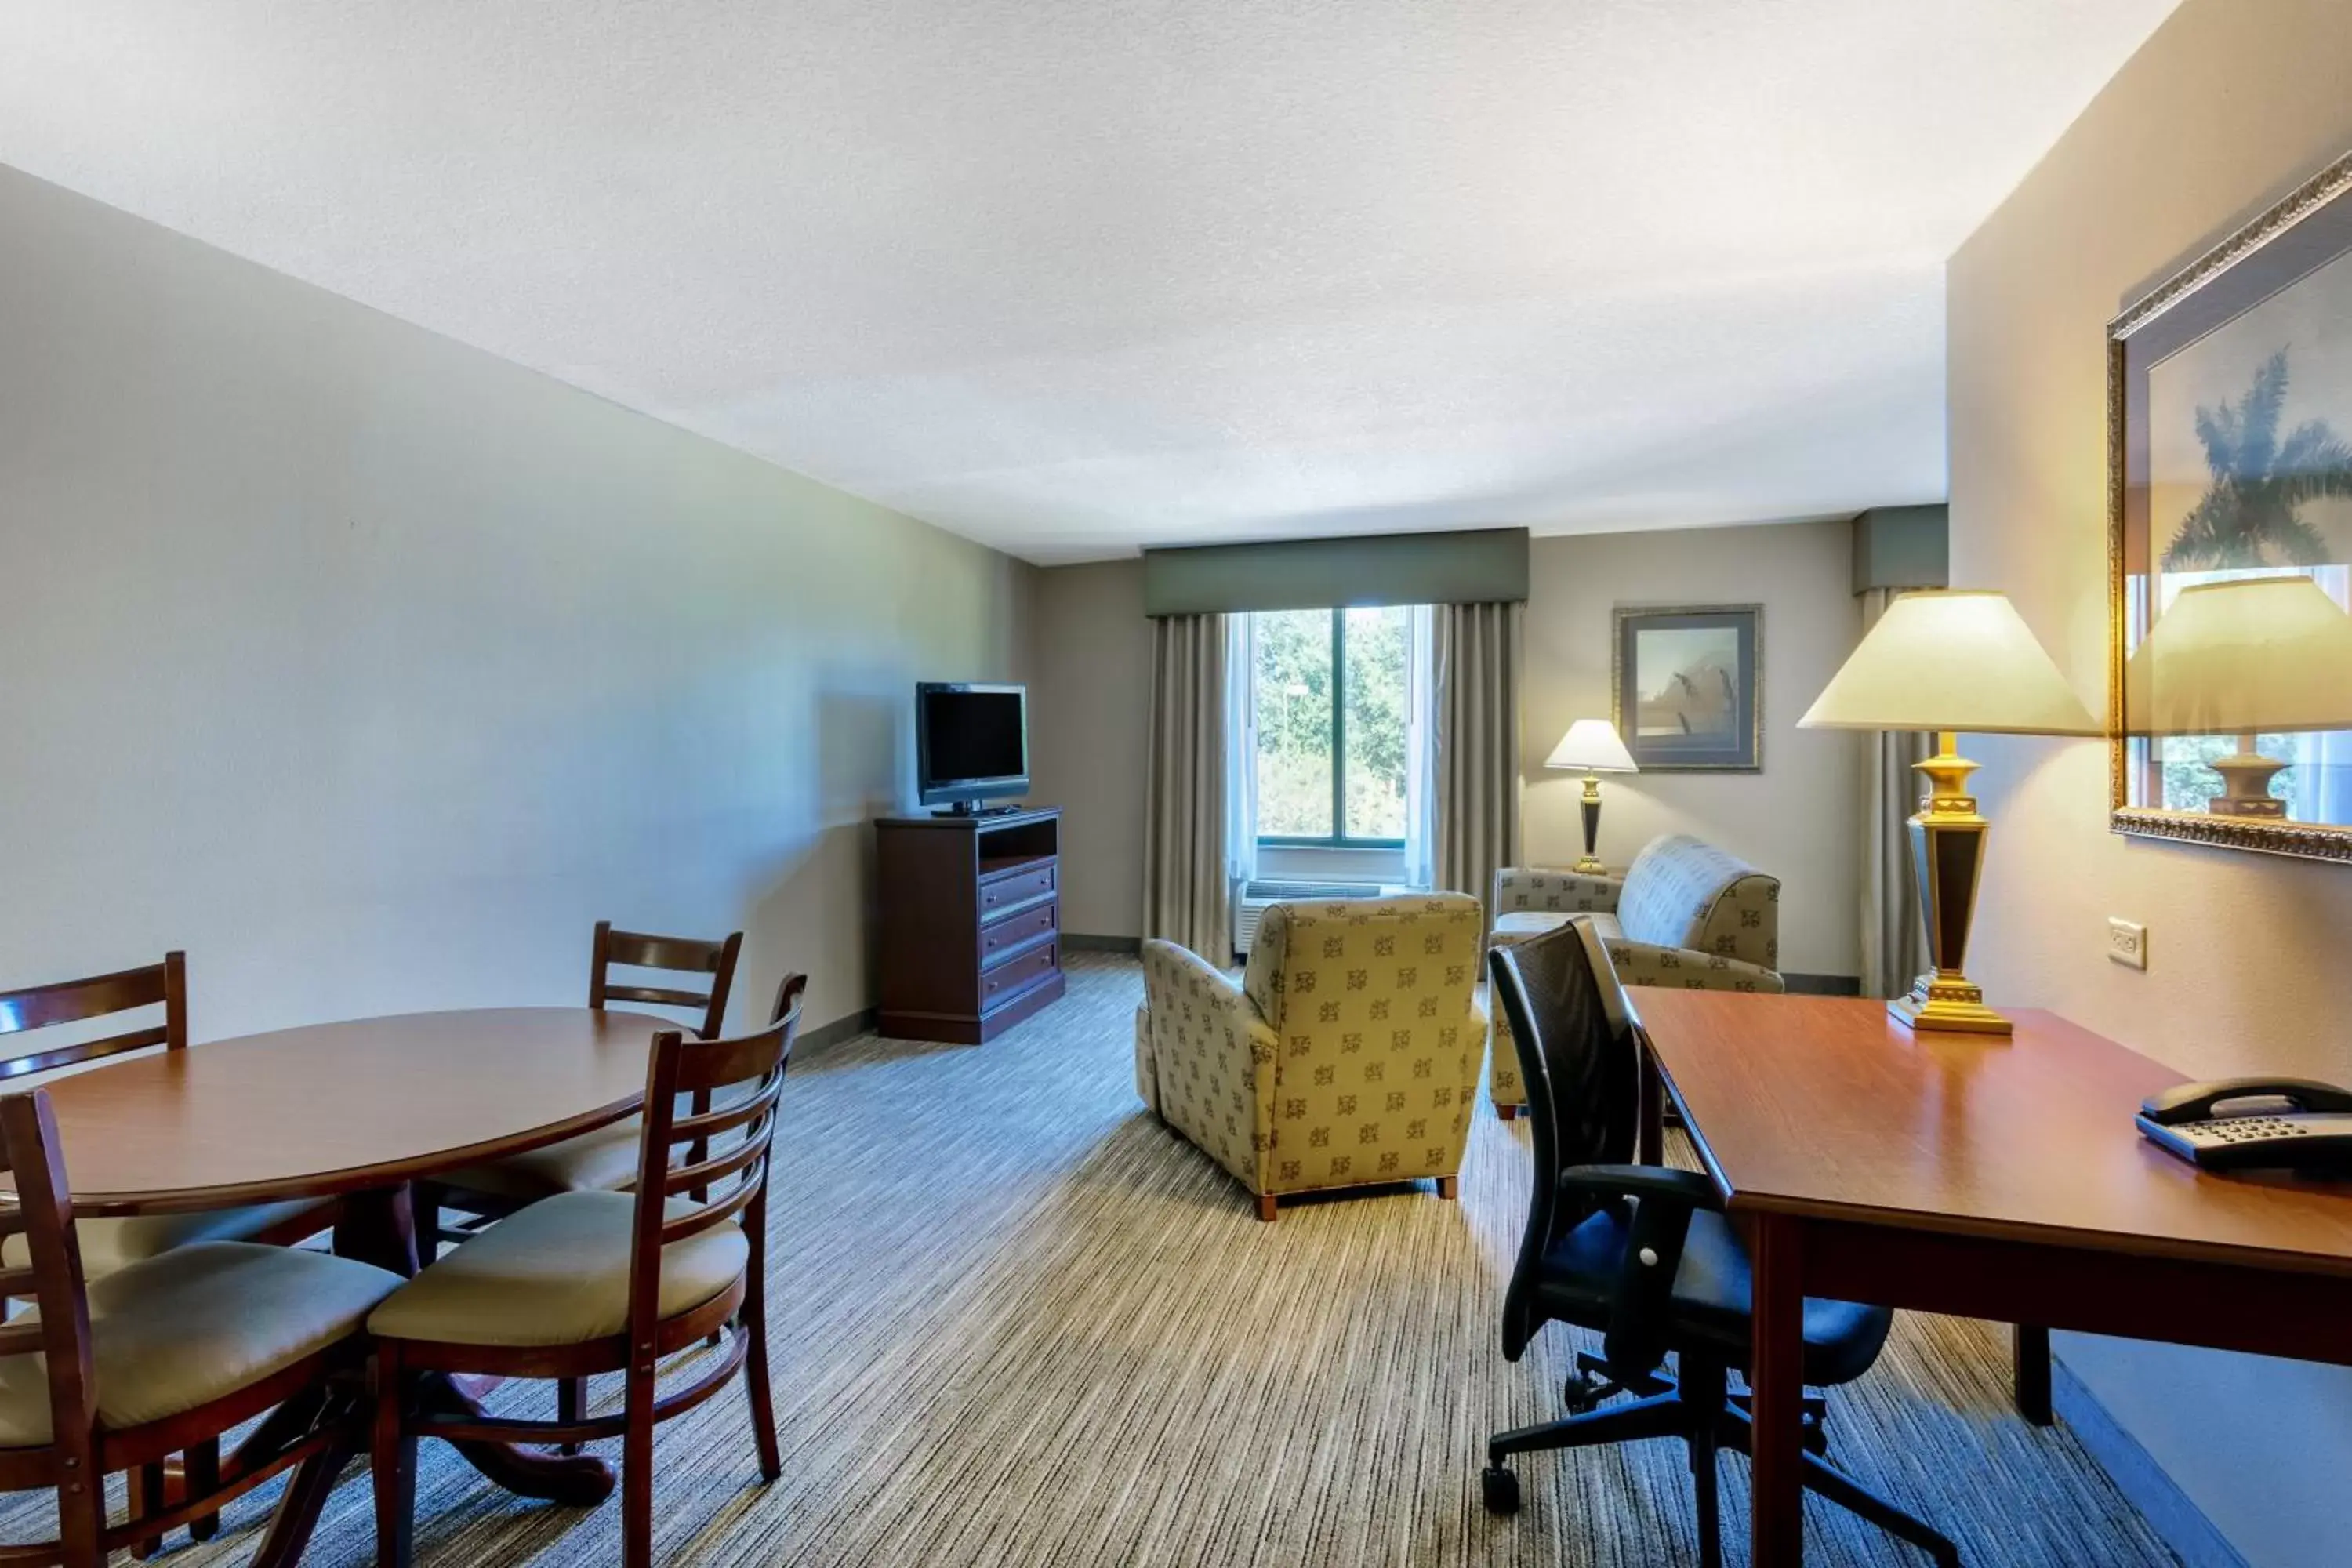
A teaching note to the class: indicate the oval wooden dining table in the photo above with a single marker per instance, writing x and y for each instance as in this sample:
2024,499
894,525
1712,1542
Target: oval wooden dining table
356,1111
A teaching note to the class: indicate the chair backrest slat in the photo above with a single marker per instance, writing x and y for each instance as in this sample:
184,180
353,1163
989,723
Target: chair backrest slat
679,955
161,984
702,1067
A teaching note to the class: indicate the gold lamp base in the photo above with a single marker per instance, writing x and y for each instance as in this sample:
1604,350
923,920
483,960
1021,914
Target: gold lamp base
1948,838
1589,863
1955,1005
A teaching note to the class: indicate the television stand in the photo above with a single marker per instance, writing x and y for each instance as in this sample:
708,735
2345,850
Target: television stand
972,922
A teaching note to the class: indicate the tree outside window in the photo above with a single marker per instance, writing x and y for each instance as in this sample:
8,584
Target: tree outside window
1331,689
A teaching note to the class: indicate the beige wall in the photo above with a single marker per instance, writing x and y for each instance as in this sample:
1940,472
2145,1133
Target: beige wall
2230,104
1795,818
1093,668
1089,704
373,671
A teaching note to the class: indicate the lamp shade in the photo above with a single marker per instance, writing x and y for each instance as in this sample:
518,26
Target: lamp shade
2251,656
1593,746
1955,660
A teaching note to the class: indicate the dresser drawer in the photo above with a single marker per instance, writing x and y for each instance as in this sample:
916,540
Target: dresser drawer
1017,974
1008,892
1005,937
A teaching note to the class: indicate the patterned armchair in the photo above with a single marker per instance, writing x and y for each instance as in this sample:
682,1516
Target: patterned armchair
1684,913
1348,1056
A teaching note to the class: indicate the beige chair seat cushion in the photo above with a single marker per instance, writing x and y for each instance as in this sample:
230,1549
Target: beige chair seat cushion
195,1324
556,1274
108,1245
599,1162
1521,924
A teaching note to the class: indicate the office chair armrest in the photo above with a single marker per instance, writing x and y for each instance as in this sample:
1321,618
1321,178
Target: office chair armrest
1688,1188
1636,1339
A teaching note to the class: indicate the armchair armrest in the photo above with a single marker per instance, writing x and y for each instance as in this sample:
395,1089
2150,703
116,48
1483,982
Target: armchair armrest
1651,963
1548,888
1663,1201
1212,1056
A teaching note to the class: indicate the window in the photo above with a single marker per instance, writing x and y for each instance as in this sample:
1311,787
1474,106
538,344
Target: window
1330,696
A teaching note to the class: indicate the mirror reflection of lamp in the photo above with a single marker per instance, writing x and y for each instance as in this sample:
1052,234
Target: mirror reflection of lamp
2250,657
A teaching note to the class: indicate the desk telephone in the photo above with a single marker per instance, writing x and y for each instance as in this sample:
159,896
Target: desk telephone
2273,1121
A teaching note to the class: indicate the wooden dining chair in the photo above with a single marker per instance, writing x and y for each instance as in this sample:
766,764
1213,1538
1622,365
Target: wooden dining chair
593,1282
109,1243
162,1356
606,1159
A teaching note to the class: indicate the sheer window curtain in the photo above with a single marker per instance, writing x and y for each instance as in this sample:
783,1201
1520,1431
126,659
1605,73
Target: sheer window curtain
1187,891
1421,751
1475,660
1894,939
1241,753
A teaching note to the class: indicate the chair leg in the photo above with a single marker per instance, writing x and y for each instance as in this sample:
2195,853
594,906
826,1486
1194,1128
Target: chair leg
1508,1112
147,1494
1842,1489
637,1471
763,1399
571,1404
1659,1415
204,1477
392,1456
81,1523
1449,1186
1265,1205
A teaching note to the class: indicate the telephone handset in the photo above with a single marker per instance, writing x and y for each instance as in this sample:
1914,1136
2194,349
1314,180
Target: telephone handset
2274,1122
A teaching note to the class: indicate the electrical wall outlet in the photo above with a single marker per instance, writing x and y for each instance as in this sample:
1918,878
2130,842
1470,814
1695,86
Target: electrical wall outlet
2128,944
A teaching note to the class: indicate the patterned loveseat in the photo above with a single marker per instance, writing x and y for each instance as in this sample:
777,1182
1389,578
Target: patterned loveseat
1348,1056
1684,913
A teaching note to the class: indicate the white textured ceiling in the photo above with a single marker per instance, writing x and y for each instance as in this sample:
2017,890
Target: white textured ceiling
1069,276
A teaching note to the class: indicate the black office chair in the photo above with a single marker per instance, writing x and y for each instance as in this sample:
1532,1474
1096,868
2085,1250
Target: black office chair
1643,1255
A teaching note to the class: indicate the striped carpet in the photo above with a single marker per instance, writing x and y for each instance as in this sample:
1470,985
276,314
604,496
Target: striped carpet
1017,1321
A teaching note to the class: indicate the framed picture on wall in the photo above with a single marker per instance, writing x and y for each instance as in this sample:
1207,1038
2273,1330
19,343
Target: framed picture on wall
2230,543
1689,687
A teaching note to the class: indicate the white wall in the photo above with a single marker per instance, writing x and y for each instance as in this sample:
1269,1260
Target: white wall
1796,818
373,671
2229,106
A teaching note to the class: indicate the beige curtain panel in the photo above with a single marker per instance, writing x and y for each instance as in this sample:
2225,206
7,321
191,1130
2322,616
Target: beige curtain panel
1894,943
1186,895
1478,655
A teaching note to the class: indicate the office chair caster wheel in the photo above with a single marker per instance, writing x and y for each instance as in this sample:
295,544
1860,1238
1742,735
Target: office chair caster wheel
1582,1393
1817,1437
1500,1489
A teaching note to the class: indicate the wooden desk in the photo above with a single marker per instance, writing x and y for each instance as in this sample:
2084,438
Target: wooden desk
1978,1176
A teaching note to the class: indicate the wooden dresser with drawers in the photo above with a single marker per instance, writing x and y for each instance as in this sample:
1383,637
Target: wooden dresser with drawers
972,923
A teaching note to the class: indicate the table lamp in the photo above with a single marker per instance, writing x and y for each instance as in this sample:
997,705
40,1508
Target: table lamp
1591,744
1949,661
2249,656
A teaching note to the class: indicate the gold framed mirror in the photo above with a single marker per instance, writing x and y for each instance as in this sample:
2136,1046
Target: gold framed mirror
2230,539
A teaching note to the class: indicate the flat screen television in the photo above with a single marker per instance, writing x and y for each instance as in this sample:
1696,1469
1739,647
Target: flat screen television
971,742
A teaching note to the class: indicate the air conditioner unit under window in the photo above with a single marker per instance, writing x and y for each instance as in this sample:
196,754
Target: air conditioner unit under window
1251,906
